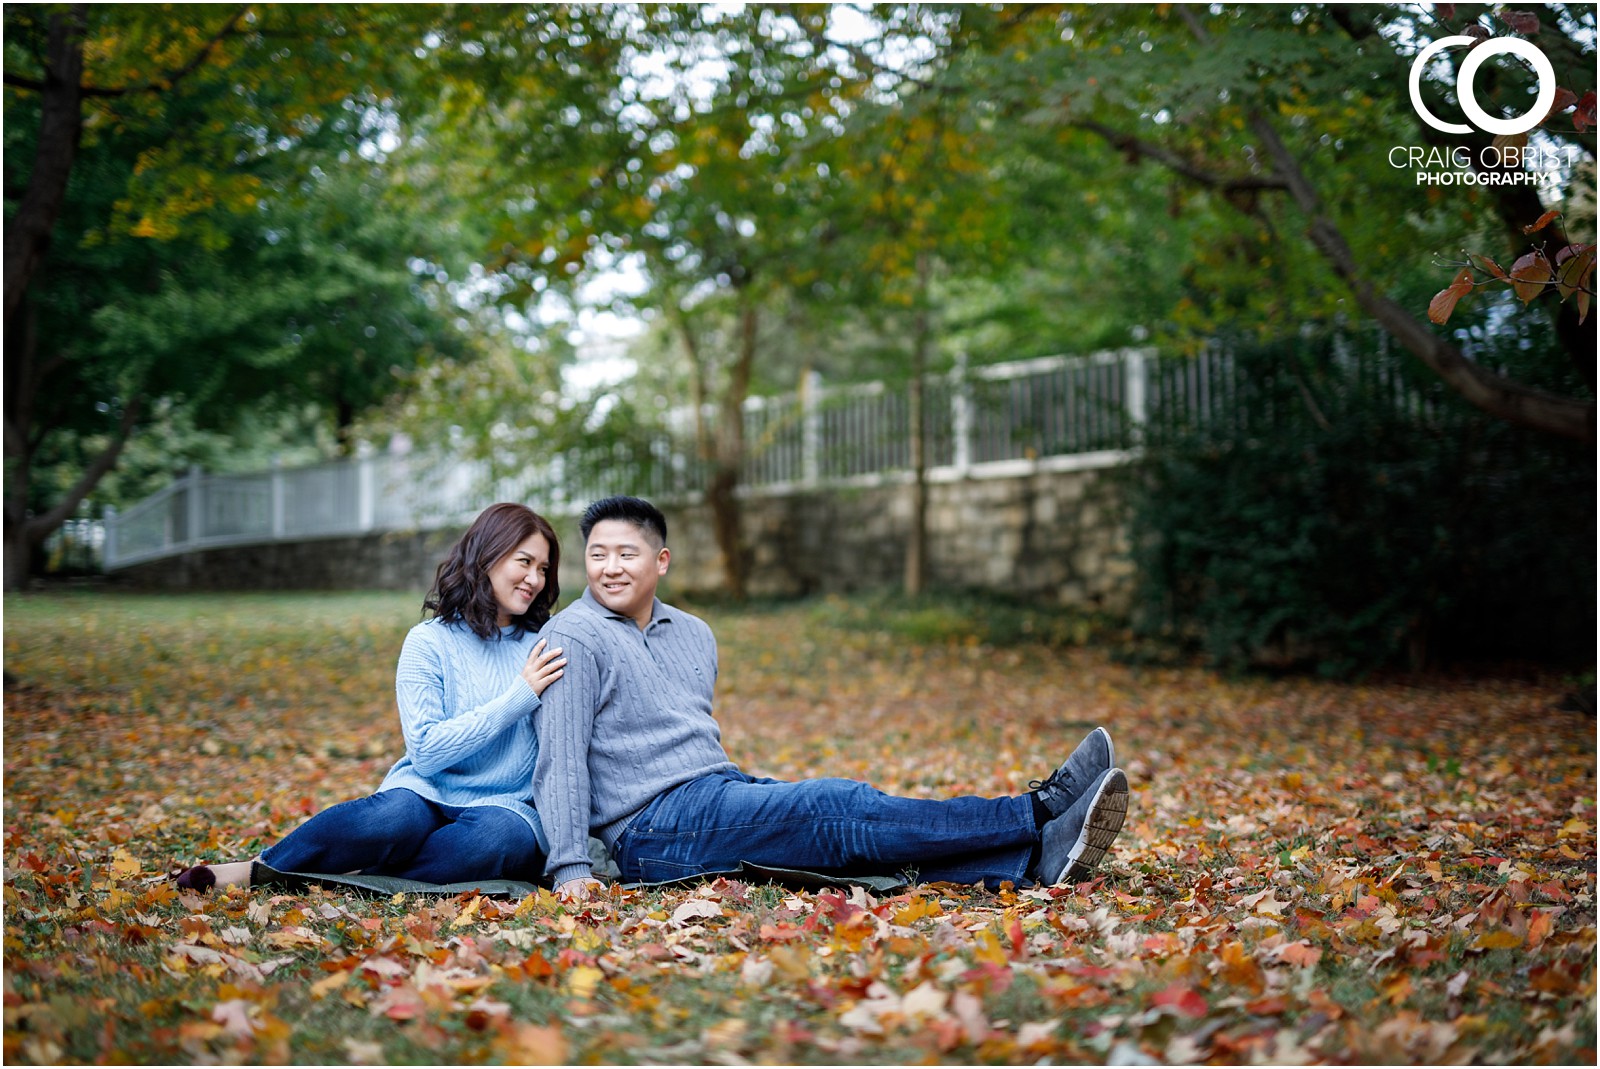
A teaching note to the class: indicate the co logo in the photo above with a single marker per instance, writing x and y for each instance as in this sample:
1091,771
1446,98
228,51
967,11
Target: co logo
1469,69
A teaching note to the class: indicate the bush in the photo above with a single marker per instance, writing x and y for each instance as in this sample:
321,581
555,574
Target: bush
1343,510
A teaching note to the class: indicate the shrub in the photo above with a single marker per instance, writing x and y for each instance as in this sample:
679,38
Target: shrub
1343,510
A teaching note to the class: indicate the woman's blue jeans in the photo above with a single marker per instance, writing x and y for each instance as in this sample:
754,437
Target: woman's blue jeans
400,833
831,826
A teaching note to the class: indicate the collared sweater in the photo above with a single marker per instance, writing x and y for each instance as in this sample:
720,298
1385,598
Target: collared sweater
629,719
467,717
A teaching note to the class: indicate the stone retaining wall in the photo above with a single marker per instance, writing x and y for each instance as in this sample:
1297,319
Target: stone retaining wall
1055,536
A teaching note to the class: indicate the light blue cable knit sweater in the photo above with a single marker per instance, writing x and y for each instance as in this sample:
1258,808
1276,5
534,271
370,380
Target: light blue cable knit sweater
467,717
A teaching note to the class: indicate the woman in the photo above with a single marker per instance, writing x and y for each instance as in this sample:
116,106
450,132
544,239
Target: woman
468,685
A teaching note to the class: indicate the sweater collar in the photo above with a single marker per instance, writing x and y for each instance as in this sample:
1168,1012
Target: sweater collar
660,611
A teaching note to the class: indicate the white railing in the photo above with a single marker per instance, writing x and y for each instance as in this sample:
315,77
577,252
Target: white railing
1052,412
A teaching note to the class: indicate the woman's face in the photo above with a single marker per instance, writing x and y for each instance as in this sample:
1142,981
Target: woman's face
518,577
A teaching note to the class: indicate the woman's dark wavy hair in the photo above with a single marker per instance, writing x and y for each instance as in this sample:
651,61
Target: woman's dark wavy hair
462,591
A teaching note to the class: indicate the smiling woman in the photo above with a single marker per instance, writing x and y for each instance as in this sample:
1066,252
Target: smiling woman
468,684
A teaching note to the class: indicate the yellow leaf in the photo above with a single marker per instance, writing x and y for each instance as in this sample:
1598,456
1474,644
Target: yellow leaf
124,864
468,914
582,981
988,948
1504,939
331,982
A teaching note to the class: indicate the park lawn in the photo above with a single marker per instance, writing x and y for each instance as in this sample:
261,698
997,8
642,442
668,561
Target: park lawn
1390,871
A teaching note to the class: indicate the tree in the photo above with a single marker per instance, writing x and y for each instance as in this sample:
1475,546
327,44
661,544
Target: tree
170,241
712,180
1238,103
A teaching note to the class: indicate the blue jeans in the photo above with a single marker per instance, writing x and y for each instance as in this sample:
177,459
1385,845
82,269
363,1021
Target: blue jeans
400,833
832,826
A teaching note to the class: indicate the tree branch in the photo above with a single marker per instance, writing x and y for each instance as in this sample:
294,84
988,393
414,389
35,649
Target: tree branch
1491,392
37,527
1173,162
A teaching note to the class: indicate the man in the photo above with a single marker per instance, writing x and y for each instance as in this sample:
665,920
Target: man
629,749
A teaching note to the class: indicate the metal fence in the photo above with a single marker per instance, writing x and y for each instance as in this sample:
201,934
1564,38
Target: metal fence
1072,410
1055,412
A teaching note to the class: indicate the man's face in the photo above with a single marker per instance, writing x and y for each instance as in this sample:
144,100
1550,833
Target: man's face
624,567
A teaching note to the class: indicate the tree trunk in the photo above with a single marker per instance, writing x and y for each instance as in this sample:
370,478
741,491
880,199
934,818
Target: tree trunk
22,375
921,342
697,385
25,376
726,511
60,130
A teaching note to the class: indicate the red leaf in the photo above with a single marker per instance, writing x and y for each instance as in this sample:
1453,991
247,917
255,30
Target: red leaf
1444,302
1540,223
1270,1006
1583,114
1182,999
1523,22
1565,98
1446,12
1529,276
1576,275
1019,946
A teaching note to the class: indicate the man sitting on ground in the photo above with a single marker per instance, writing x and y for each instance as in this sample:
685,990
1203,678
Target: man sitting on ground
629,748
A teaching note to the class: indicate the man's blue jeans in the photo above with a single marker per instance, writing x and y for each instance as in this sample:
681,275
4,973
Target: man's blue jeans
832,826
400,833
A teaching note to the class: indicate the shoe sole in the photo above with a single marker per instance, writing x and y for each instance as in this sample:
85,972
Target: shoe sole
1106,814
1111,748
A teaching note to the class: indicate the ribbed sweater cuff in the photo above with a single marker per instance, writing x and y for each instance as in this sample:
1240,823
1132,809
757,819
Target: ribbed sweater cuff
570,872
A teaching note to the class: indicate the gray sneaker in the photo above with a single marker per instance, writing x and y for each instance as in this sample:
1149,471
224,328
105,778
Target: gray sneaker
1072,845
1077,773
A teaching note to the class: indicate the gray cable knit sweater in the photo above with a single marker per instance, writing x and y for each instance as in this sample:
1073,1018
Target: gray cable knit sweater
629,719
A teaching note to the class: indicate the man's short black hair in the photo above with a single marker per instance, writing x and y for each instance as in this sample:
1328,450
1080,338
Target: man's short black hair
634,510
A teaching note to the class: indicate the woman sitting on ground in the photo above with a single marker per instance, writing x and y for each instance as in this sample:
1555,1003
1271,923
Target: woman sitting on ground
468,684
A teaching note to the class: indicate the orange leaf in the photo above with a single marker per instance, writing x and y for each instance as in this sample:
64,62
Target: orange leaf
1398,989
1539,926
1444,302
1488,264
1529,275
1540,223
528,1044
1501,940
1302,954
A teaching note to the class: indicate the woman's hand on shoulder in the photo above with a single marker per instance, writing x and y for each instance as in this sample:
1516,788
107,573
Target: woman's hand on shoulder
543,667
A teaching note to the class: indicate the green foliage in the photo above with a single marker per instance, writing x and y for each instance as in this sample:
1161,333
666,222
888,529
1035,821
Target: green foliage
1344,512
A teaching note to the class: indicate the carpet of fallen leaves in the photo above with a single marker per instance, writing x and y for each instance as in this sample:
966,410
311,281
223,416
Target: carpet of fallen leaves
1390,871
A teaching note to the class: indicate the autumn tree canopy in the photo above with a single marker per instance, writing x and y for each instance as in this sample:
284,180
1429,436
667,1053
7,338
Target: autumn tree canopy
224,208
